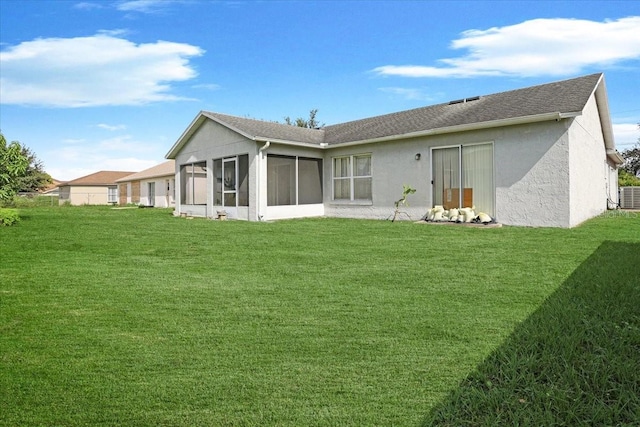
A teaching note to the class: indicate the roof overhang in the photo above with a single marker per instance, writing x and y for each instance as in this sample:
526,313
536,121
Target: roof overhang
203,116
557,116
602,102
188,133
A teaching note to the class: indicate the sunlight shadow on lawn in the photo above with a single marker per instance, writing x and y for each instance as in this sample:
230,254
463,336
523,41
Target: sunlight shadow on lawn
574,361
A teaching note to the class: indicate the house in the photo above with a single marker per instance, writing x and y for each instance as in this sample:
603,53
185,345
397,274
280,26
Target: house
53,188
151,187
98,188
538,156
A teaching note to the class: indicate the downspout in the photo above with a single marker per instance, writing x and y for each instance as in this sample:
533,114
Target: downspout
259,192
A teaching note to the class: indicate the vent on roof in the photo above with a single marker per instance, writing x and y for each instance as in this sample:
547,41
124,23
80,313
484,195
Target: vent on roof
463,100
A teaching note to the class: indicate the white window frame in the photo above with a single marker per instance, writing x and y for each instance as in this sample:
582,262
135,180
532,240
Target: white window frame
351,177
112,194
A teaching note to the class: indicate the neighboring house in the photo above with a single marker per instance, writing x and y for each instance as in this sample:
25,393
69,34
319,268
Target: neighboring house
151,187
538,156
53,188
99,188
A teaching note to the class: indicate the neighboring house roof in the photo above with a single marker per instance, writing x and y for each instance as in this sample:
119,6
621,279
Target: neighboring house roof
52,187
549,101
97,179
163,169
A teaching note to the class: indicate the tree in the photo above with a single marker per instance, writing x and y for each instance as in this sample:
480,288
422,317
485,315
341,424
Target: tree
625,179
311,122
13,164
632,158
34,178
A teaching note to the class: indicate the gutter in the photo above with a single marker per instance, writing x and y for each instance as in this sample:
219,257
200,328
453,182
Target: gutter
557,116
614,156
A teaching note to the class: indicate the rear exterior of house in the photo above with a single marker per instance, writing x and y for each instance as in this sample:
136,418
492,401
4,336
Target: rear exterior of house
539,156
99,188
153,187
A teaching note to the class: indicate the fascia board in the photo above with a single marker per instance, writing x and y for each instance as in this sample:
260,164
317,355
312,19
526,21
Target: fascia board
605,115
287,142
195,124
462,128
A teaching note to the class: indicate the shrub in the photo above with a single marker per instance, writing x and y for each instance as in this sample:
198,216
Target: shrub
8,217
625,179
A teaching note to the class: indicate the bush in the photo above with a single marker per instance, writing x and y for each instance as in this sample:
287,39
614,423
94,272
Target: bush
625,179
9,217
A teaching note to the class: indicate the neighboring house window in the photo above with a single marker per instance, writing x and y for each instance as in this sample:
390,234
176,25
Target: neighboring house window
193,183
293,180
112,194
231,182
352,177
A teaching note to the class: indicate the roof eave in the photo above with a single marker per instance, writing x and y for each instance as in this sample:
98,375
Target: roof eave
605,116
288,142
189,131
615,157
465,127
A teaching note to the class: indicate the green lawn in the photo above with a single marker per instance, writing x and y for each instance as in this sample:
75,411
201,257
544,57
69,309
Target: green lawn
134,317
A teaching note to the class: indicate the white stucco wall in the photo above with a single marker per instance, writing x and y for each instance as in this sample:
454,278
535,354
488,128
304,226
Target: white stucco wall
164,192
589,177
532,175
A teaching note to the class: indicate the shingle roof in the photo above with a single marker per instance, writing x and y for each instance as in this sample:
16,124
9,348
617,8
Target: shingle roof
98,178
262,129
163,169
562,97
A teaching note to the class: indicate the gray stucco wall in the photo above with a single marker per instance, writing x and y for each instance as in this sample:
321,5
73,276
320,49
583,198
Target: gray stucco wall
545,173
531,174
212,141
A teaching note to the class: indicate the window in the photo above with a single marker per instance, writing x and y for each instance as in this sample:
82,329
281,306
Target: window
352,177
231,183
193,184
463,177
112,195
293,180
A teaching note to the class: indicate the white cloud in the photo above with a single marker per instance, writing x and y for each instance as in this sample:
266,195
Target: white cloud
413,94
75,158
207,86
144,6
626,135
85,5
111,127
93,71
534,48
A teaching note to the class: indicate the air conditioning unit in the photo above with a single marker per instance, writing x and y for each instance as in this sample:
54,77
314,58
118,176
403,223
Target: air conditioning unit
630,197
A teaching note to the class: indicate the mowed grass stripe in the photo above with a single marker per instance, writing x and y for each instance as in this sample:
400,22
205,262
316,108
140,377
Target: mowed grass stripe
136,317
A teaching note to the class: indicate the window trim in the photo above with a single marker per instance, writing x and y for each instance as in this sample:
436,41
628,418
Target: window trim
112,194
351,177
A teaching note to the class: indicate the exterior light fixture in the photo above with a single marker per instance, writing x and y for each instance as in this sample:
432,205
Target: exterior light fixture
418,155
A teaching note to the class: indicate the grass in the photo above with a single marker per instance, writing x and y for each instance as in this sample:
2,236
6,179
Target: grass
135,317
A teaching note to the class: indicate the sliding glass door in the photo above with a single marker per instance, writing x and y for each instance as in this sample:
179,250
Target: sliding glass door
462,176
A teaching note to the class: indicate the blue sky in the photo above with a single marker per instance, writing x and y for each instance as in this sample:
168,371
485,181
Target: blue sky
111,85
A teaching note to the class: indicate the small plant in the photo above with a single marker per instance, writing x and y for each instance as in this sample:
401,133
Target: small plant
8,217
406,190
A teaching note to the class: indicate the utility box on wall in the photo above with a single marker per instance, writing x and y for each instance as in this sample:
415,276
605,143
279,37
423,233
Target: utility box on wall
630,197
